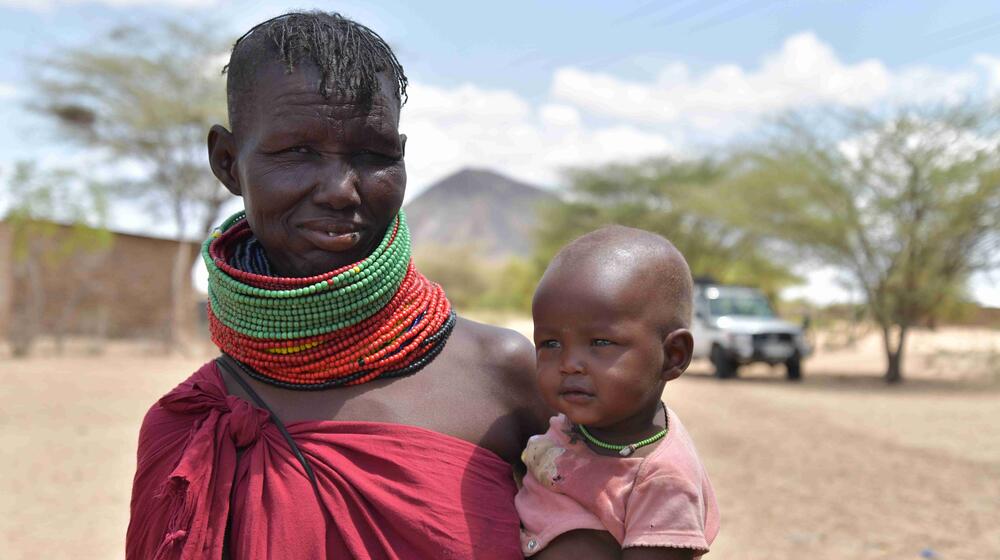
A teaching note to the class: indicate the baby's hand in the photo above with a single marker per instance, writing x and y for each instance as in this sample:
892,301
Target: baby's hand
540,458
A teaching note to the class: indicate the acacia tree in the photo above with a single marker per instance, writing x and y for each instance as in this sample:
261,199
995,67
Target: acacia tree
677,199
77,244
906,204
146,97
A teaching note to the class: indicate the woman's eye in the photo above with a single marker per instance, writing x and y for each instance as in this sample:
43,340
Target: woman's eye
298,150
549,344
601,342
375,156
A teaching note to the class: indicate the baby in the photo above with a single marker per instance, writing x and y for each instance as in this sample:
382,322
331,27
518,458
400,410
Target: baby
611,320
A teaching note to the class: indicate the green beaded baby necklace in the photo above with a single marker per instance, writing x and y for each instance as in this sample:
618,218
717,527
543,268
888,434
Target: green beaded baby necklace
628,449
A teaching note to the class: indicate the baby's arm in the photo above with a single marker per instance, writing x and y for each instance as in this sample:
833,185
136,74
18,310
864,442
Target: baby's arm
658,553
580,544
600,545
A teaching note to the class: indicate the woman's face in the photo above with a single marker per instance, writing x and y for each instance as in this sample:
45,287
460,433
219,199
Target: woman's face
321,178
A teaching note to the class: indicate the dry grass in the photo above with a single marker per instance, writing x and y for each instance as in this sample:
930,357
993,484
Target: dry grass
838,466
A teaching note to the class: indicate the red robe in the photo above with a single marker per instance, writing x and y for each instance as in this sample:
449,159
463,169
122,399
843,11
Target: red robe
384,490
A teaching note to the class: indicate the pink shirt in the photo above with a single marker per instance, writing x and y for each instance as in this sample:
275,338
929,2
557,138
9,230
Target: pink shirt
663,499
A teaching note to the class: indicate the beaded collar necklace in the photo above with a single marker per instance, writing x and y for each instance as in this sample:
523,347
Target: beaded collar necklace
374,319
628,449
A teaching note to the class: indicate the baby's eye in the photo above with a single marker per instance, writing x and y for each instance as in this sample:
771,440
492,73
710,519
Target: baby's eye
549,344
601,342
298,150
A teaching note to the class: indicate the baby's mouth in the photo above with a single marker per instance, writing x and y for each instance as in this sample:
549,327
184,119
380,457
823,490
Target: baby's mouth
575,395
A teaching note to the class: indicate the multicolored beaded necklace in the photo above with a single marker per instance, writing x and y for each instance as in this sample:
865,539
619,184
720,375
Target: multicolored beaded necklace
374,319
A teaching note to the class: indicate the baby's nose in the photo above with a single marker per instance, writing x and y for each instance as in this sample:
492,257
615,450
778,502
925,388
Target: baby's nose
570,363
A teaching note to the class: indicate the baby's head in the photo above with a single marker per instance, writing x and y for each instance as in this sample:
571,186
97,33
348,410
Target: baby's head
611,316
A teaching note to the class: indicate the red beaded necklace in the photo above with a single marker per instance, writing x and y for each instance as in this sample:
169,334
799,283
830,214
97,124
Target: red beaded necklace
373,319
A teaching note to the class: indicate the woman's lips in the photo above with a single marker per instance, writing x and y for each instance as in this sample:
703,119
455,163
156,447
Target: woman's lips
334,239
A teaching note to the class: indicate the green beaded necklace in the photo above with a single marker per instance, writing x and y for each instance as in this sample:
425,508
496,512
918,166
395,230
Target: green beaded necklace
373,319
628,449
324,305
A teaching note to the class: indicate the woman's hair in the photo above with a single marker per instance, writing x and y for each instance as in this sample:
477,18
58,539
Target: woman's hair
349,55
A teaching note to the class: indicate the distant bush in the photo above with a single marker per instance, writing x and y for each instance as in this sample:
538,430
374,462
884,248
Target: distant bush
474,282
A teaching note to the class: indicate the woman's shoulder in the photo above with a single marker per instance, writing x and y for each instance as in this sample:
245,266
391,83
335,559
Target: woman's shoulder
495,342
507,358
495,351
201,388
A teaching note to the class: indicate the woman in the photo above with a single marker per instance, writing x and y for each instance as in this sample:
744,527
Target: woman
351,413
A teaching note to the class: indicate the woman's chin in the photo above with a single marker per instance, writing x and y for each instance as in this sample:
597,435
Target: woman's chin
318,262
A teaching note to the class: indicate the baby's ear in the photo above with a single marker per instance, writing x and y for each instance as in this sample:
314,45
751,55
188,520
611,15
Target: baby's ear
677,348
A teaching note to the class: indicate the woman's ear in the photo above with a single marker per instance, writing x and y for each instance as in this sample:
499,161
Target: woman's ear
222,158
678,346
402,144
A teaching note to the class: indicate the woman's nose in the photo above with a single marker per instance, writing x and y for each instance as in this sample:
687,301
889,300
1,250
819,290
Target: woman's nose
337,185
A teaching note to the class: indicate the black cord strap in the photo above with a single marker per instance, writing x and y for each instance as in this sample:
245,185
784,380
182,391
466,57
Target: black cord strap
274,417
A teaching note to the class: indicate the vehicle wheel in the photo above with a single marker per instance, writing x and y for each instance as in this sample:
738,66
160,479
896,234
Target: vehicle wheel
793,368
725,367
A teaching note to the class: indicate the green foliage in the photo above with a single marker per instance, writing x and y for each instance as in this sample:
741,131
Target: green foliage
457,269
146,96
680,200
37,198
473,282
511,287
906,203
75,244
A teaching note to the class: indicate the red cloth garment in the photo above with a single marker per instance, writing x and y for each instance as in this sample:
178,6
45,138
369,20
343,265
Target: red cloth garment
385,491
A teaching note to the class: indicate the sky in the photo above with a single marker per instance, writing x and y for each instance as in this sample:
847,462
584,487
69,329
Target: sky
532,88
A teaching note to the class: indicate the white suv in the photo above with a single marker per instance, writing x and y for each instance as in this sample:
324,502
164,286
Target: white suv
736,325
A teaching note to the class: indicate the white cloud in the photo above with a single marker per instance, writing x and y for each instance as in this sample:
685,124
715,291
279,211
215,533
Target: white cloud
804,72
559,116
592,118
469,126
47,5
991,65
7,90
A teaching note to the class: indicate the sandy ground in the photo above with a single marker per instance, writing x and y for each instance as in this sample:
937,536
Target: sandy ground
839,466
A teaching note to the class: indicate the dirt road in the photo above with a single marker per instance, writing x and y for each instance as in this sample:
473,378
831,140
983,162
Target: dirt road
837,467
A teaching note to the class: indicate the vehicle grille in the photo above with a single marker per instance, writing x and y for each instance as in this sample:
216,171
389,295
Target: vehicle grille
764,338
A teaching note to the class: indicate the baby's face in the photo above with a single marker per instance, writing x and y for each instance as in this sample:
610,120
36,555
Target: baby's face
600,356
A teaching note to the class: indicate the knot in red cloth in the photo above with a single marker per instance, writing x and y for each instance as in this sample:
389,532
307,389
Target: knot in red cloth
245,421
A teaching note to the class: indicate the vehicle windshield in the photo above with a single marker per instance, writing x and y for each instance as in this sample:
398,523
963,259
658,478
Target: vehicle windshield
747,304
